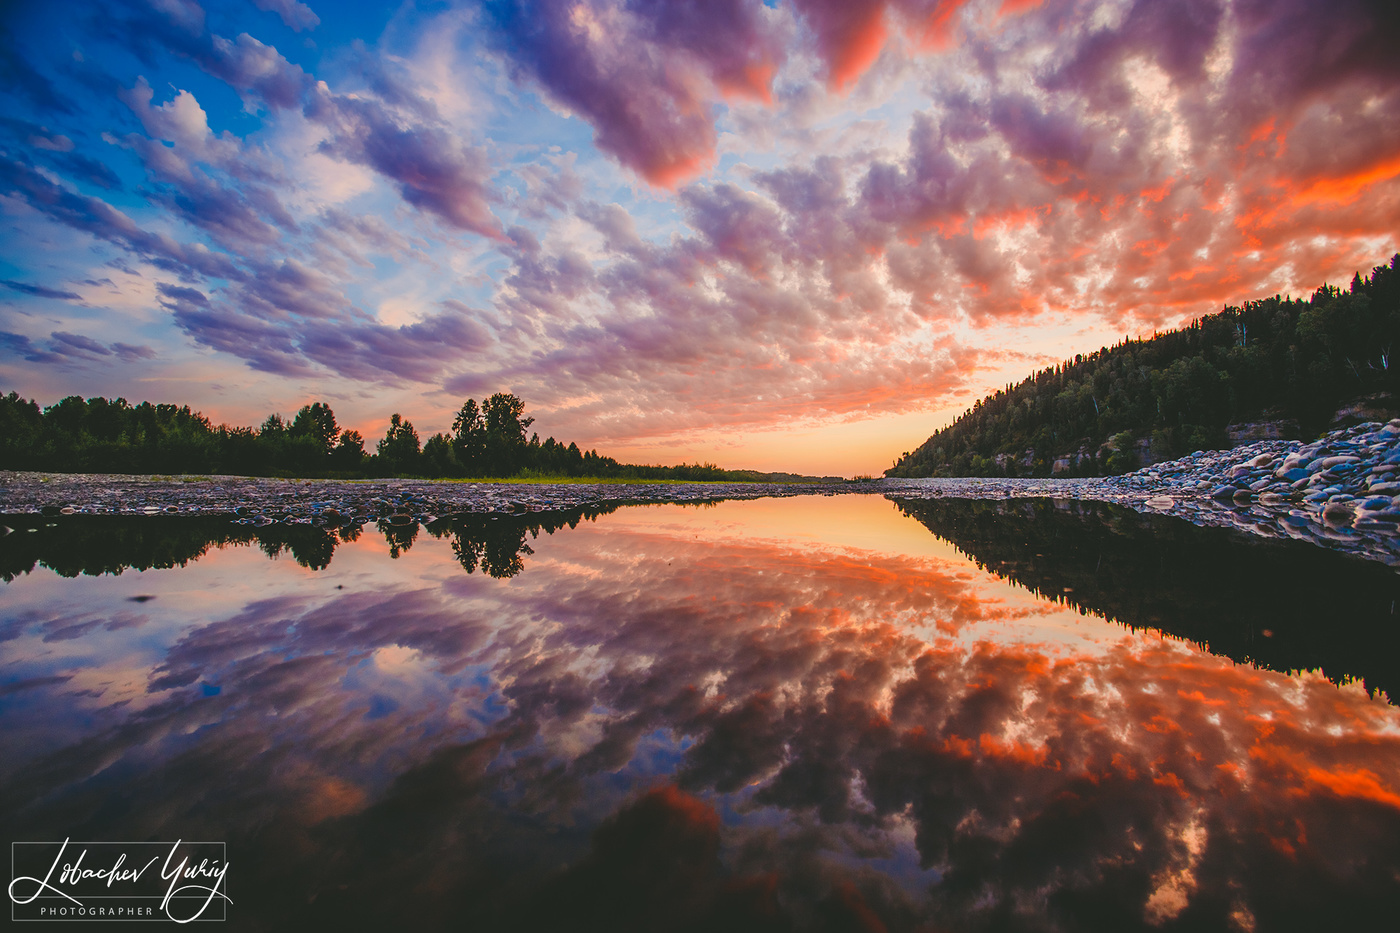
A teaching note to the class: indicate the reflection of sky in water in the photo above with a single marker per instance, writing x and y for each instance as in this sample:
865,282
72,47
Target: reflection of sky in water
842,722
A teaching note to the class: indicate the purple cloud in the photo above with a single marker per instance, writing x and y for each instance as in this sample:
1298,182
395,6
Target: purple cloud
639,72
21,346
77,345
1177,35
738,226
290,289
297,16
434,172
40,291
288,320
245,63
78,166
848,33
415,352
730,37
1292,51
262,345
128,353
64,347
179,293
224,213
100,219
18,75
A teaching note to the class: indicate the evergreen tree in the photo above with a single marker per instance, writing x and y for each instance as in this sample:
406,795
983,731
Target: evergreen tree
469,438
503,414
316,421
399,449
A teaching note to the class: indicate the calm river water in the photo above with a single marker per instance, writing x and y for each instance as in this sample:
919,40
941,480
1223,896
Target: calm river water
814,713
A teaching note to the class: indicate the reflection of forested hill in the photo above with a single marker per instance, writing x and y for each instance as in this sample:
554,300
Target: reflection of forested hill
1284,358
1281,604
73,545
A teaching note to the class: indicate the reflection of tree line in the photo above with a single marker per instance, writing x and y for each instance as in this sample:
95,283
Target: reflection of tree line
74,545
1280,604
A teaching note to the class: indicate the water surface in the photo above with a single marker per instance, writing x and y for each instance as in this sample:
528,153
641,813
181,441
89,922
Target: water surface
806,713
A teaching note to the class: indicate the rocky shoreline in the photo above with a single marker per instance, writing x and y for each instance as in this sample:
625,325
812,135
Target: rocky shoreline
1341,492
261,500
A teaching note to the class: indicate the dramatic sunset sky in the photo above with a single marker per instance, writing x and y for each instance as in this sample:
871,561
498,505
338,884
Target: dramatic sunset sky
795,234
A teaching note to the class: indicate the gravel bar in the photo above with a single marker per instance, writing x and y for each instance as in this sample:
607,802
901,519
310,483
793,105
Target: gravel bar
330,501
1341,492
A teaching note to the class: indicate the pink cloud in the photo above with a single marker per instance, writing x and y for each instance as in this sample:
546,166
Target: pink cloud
646,75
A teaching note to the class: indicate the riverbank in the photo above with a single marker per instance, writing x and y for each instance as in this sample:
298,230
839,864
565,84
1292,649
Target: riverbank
1340,492
333,501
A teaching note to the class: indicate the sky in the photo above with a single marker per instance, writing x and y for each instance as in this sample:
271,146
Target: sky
785,235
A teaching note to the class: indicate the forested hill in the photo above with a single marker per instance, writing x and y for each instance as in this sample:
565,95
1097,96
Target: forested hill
1275,367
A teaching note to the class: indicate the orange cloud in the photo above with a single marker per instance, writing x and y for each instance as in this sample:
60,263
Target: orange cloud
1348,187
1362,783
1013,7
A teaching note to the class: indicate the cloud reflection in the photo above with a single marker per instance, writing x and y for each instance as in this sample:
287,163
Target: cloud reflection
649,730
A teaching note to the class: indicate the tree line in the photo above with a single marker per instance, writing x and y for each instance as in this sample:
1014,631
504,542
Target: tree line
1293,361
489,441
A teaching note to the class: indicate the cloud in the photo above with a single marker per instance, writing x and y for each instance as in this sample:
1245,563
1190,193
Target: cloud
178,26
740,227
290,289
290,321
21,346
129,353
179,293
40,291
68,348
76,165
78,345
181,121
1294,52
737,45
433,170
249,65
297,16
18,74
263,346
105,222
414,352
233,216
1176,35
645,75
849,35
33,683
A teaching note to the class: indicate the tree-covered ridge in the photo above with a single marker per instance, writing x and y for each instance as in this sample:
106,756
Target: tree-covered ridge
489,440
1279,359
